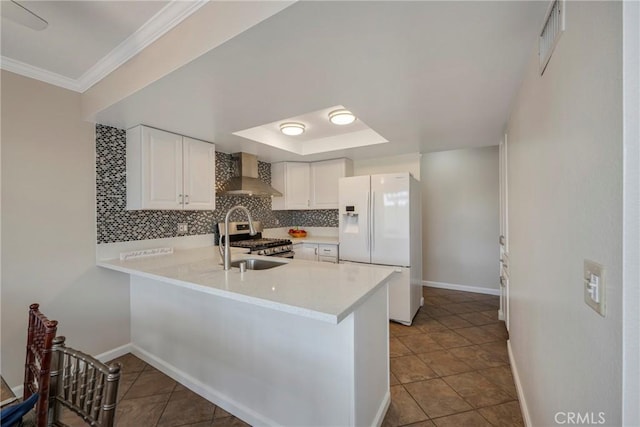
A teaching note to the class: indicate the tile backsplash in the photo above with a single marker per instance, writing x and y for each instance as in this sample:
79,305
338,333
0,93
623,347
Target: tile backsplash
116,224
310,218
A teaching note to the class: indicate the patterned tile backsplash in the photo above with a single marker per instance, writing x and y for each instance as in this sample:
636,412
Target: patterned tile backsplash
116,224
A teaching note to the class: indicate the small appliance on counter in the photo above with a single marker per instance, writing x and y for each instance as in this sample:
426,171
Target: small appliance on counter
239,237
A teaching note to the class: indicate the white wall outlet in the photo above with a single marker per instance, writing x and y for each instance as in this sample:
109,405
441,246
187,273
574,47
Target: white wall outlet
183,228
594,290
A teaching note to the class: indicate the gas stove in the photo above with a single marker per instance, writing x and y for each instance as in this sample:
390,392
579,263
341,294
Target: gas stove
239,237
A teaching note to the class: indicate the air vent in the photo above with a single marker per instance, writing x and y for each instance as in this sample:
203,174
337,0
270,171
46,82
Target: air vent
551,32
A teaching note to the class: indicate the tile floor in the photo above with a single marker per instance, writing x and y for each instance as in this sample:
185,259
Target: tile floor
147,397
450,368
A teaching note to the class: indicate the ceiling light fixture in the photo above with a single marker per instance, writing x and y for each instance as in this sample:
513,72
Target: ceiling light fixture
292,128
341,117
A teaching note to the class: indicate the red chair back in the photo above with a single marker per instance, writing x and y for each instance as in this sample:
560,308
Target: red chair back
37,367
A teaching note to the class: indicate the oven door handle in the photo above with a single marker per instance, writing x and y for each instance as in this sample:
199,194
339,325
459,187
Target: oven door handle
288,255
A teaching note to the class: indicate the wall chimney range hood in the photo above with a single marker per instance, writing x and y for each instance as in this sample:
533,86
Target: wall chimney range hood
245,180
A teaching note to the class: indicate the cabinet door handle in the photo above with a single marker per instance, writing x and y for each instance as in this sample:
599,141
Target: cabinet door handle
186,199
180,199
316,251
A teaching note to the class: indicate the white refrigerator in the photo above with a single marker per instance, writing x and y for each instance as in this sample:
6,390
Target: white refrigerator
380,223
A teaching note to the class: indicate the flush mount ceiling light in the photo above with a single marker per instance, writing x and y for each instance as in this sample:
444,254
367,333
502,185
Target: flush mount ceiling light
341,117
292,128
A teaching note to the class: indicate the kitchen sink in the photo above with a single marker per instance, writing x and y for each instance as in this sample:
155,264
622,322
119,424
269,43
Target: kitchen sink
257,264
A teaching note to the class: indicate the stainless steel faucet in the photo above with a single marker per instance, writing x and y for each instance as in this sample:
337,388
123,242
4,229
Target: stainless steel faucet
227,249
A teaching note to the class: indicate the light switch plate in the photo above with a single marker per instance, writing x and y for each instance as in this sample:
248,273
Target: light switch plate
593,268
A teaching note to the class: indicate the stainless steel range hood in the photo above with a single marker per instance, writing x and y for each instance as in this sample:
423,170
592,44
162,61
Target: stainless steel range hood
245,181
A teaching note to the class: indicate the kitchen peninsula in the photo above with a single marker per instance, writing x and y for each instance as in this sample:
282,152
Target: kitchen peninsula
303,343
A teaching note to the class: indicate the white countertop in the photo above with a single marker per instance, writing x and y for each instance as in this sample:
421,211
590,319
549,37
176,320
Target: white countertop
322,291
313,239
323,235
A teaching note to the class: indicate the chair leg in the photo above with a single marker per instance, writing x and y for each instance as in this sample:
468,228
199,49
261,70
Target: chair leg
55,383
111,395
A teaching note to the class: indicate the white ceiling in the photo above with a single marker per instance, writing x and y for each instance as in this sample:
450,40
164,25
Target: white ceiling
79,33
320,135
426,76
84,41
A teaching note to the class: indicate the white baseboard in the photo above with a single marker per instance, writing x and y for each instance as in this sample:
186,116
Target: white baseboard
463,288
382,411
220,399
114,353
516,379
18,390
103,357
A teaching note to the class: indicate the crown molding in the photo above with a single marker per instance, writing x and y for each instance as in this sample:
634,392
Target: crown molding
43,75
158,25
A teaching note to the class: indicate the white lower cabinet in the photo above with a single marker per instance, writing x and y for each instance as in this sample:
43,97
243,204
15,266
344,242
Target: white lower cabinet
328,253
308,251
321,252
168,171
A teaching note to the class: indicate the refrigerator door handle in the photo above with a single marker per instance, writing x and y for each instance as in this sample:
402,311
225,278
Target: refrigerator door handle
373,221
368,219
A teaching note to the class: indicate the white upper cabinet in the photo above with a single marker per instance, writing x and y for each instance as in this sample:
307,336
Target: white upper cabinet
292,180
308,185
199,159
160,158
324,182
166,171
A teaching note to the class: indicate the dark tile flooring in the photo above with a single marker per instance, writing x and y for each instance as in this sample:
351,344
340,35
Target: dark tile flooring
450,368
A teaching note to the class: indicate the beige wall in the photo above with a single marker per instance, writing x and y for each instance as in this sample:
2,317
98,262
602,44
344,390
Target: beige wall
631,214
460,210
48,225
392,164
565,206
460,213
